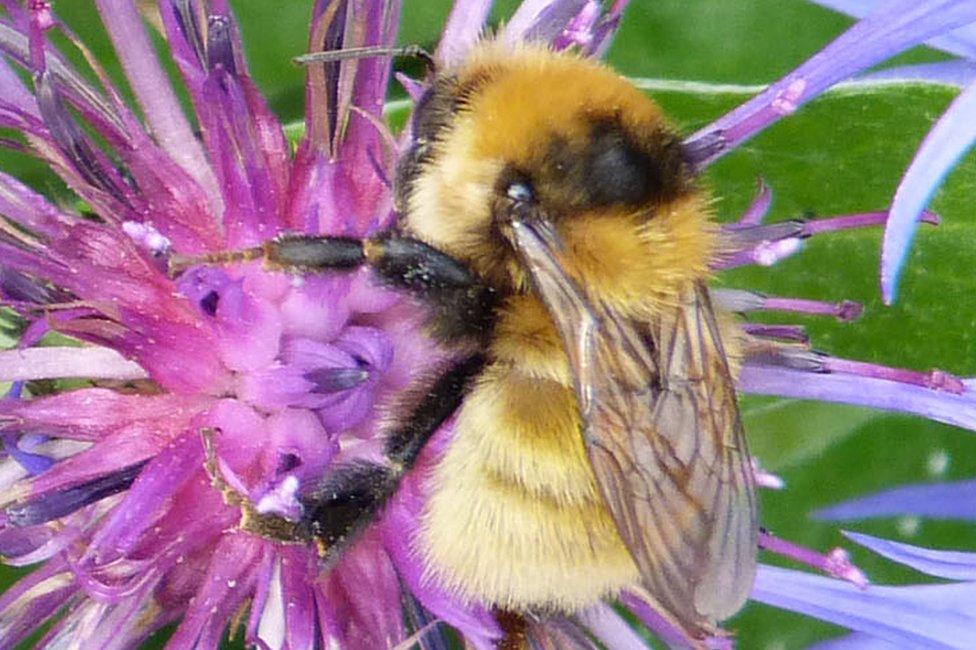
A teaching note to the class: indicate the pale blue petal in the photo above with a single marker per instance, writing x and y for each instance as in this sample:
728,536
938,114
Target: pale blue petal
935,500
951,137
856,641
952,565
942,406
463,29
926,616
960,41
958,72
896,27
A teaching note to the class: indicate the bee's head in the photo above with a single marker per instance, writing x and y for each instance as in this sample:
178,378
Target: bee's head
562,137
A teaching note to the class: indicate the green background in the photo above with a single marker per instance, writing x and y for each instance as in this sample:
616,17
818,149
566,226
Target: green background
841,154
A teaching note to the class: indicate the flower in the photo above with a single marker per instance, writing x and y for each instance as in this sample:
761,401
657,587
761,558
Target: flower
930,615
925,615
108,482
949,139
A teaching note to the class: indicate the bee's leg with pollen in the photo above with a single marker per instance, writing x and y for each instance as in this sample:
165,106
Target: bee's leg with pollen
515,628
264,525
463,306
351,495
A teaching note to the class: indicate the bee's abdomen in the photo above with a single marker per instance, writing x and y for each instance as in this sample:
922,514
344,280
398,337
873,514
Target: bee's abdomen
516,519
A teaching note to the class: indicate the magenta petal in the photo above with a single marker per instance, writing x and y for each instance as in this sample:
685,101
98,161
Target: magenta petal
251,196
148,497
31,601
228,581
362,598
298,570
152,88
96,413
63,502
400,528
952,136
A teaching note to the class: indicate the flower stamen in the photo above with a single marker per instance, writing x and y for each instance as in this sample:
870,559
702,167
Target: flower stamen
837,563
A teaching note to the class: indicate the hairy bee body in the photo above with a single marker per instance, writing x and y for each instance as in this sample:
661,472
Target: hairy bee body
551,224
516,518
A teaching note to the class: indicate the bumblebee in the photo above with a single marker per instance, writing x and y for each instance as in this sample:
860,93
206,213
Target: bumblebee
550,222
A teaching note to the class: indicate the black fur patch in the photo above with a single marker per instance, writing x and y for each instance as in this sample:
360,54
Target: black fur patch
347,500
621,168
462,306
404,443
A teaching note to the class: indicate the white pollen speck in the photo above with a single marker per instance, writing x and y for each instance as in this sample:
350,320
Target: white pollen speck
231,584
297,281
145,235
786,102
938,462
909,526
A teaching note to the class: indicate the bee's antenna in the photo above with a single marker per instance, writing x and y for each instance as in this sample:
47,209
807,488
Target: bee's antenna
414,51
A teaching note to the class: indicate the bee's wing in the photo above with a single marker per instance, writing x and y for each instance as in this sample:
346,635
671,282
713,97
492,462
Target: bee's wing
664,439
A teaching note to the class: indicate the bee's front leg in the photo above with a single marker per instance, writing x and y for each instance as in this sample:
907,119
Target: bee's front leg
252,521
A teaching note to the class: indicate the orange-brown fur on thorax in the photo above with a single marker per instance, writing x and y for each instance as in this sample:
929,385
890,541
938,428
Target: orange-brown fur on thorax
516,518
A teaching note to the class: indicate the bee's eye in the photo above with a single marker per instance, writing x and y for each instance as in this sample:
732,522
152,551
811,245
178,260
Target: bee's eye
520,192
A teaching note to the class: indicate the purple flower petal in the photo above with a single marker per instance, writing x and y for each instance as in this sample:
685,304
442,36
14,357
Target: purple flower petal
605,29
541,21
150,494
228,580
612,631
463,29
856,641
952,565
400,529
152,88
918,615
952,136
960,41
33,599
54,362
299,612
891,29
942,406
951,73
98,414
936,500
759,208
63,502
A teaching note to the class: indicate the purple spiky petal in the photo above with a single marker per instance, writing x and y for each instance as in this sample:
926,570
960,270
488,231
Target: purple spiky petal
951,137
